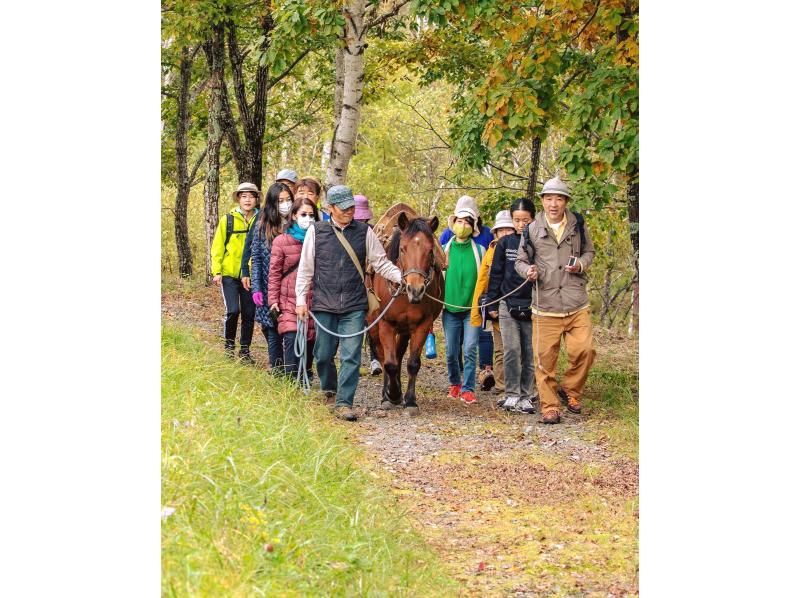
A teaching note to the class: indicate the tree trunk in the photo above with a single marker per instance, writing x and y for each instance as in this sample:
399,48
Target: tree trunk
338,92
633,220
353,84
214,49
181,158
253,116
536,151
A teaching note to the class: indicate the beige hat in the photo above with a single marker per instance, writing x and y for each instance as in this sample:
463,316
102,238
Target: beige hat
503,220
246,187
465,206
556,186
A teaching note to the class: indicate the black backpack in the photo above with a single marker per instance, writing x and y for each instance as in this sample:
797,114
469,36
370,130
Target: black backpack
229,229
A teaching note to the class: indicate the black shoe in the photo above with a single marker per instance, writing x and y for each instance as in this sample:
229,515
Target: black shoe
246,359
230,353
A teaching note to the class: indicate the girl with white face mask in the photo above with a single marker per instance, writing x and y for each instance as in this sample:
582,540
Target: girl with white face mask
283,264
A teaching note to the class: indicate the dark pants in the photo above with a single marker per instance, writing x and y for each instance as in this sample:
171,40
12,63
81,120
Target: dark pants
290,360
274,347
485,349
238,299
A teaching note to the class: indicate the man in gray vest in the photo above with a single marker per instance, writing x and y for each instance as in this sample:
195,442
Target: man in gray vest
340,297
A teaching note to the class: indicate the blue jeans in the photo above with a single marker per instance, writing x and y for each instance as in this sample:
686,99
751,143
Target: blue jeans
349,354
459,333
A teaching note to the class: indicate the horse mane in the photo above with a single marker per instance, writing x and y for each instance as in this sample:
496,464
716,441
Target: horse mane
417,225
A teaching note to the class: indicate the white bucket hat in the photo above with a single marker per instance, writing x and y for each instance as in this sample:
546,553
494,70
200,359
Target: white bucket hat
246,187
502,220
465,206
556,186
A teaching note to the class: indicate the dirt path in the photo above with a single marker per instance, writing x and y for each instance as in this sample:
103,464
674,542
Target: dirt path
514,508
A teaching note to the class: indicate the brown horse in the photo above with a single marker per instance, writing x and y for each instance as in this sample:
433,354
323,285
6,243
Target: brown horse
410,317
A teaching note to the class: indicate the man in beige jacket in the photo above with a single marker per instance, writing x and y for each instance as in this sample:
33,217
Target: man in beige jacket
560,299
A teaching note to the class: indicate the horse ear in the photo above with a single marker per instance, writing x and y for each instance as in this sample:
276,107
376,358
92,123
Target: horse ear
433,223
402,221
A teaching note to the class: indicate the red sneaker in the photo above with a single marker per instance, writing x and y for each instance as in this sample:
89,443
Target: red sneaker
455,390
468,397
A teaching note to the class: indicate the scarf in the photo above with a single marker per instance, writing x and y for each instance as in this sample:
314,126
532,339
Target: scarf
297,232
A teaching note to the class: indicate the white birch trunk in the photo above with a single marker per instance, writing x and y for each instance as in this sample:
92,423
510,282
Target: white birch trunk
346,130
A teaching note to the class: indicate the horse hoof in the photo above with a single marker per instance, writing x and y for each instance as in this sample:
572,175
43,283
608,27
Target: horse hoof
411,411
388,406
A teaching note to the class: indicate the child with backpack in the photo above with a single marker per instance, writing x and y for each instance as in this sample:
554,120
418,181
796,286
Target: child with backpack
283,265
514,313
226,260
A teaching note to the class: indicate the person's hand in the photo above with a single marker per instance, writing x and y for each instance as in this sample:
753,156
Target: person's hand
493,314
574,269
302,312
275,307
246,282
258,298
533,273
217,279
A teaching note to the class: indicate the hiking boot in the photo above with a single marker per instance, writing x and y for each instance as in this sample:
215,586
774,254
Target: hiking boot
375,367
246,359
525,406
510,403
329,397
344,412
562,395
573,404
230,352
468,397
454,391
551,416
486,379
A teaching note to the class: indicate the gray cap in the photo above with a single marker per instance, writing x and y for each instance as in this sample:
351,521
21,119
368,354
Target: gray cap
287,174
503,220
556,186
341,197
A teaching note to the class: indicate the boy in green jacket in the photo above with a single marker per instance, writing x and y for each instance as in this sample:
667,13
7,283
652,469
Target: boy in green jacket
226,261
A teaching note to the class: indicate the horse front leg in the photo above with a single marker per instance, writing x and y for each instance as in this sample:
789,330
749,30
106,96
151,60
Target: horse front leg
412,366
391,369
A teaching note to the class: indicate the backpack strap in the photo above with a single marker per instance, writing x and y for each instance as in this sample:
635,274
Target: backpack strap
229,228
581,230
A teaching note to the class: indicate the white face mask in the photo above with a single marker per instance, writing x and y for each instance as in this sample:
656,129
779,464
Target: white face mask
284,208
304,221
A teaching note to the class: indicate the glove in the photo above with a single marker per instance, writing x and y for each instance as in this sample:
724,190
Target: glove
258,298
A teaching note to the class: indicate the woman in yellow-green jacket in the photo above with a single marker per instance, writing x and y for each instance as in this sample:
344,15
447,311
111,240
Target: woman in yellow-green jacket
226,262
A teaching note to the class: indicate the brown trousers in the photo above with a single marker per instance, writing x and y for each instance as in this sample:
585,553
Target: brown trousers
547,332
498,369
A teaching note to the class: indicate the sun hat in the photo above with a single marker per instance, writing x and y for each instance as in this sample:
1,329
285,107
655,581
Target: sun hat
286,174
465,206
246,187
362,208
556,186
502,220
341,197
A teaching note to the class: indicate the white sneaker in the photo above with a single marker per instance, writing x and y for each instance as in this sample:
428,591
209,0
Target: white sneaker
510,403
375,367
525,406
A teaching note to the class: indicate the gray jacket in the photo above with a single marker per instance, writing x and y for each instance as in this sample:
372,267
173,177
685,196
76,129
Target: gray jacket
559,291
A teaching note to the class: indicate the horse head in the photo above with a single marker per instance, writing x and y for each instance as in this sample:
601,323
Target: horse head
416,259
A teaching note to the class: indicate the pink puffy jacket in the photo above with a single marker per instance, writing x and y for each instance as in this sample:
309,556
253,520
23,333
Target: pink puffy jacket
285,256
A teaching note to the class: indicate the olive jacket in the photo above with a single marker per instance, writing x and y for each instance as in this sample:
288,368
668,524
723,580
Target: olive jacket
559,292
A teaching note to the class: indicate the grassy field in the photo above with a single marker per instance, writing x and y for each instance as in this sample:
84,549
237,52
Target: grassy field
268,494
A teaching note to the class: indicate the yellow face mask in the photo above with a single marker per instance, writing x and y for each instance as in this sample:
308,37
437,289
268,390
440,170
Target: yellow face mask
462,231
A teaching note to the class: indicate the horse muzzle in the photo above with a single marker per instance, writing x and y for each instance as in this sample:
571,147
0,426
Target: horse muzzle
415,293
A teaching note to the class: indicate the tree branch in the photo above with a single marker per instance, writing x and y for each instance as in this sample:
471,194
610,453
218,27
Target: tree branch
386,16
288,70
192,181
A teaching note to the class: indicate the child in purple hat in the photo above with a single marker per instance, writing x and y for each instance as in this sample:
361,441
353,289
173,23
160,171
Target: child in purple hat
363,213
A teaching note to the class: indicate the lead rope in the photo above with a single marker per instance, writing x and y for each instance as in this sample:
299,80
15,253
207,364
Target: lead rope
524,282
301,342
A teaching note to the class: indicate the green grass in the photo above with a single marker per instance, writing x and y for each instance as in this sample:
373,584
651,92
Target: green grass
270,497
